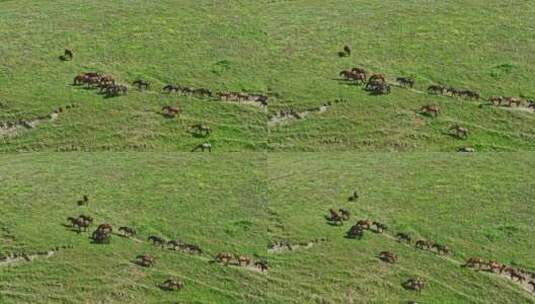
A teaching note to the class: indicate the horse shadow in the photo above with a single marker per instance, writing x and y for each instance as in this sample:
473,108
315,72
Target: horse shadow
64,58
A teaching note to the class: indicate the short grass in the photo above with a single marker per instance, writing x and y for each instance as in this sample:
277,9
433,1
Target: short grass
287,49
481,45
215,202
479,205
191,43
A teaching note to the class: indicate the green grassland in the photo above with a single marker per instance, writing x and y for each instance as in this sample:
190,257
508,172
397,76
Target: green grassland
286,49
191,43
481,45
217,203
479,205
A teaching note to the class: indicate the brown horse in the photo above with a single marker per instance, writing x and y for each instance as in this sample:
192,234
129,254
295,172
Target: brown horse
496,100
145,260
243,260
459,132
388,257
405,81
335,217
423,244
403,237
513,100
475,262
172,284
365,224
224,257
430,109
171,111
157,241
127,231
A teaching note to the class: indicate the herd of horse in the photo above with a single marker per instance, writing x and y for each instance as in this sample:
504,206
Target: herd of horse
493,266
377,84
338,217
107,86
103,234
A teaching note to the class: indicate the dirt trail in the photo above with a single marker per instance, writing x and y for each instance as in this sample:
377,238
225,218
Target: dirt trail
285,116
12,128
283,246
22,257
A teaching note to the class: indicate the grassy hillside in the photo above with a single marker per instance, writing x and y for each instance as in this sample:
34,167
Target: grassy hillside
214,202
286,49
191,43
480,45
478,205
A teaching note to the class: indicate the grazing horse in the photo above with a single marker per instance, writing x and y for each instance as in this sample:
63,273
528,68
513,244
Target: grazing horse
105,228
203,147
423,244
377,87
145,260
171,111
353,197
496,100
441,249
513,100
79,79
388,257
470,94
335,217
496,267
262,264
347,74
356,231
379,227
347,50
378,77
475,262
68,54
157,241
459,132
173,244
140,83
224,257
203,92
102,234
80,222
86,218
202,129
414,284
430,109
83,201
359,78
405,81
243,260
172,284
515,274
127,231
358,70
403,237
436,89
171,88
344,213
190,248
365,224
